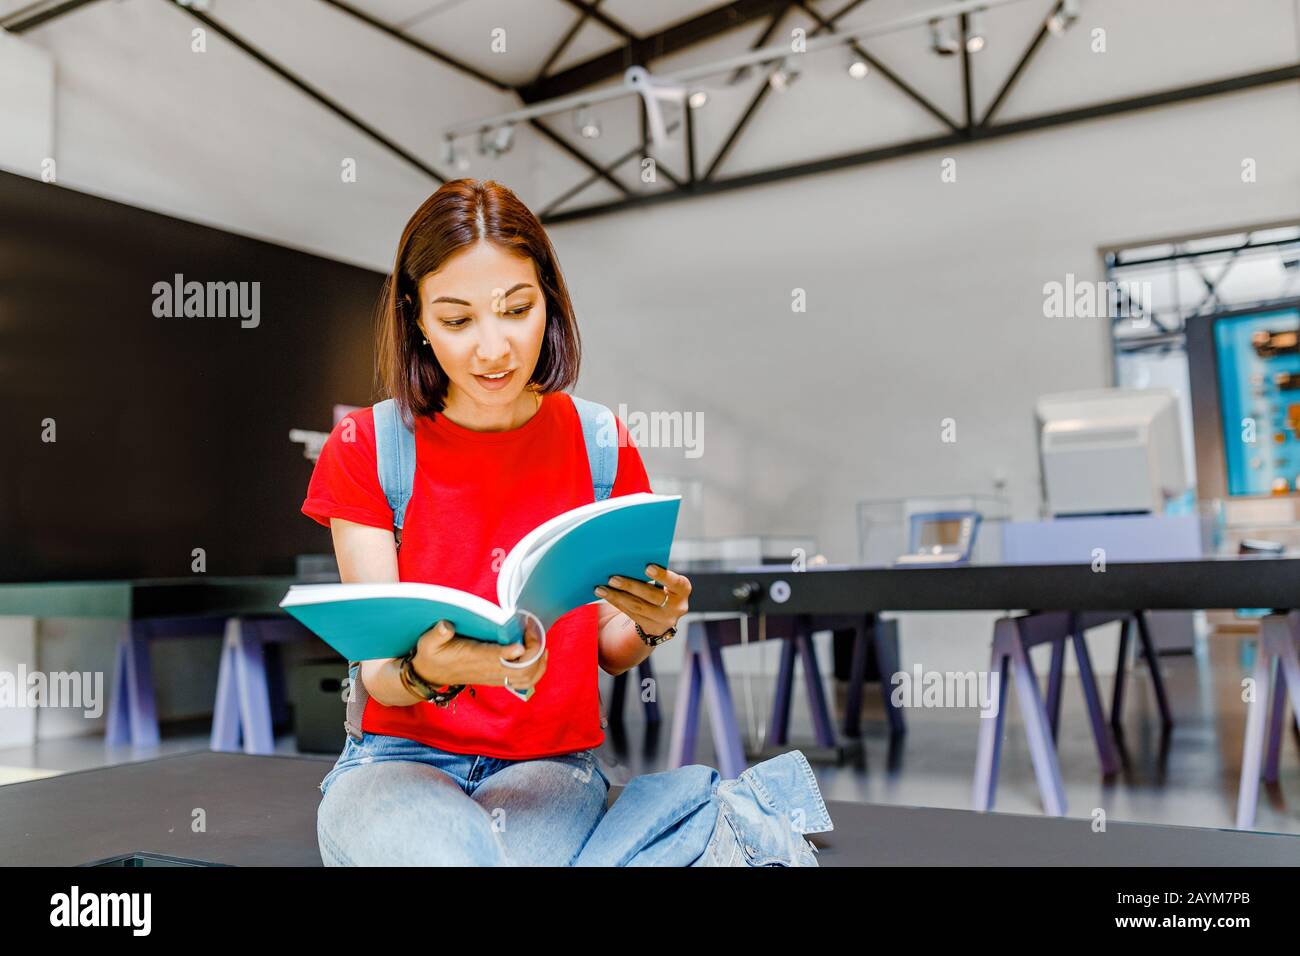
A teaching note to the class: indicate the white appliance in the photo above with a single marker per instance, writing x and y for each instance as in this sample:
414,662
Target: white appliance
1111,451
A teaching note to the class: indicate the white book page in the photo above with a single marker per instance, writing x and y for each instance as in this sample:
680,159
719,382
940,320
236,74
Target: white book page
523,557
325,593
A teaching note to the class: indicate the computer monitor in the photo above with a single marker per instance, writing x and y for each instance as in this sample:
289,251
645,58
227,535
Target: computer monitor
1110,451
1244,368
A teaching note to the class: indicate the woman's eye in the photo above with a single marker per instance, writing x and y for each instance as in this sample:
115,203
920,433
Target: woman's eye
459,323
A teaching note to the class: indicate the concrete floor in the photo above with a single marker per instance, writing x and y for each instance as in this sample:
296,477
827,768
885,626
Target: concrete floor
1193,784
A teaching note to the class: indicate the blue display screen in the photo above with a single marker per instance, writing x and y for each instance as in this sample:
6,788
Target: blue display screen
1259,399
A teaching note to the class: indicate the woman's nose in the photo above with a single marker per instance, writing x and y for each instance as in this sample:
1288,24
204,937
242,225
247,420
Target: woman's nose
492,345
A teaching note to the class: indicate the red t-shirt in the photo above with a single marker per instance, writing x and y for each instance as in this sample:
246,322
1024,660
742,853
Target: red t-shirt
476,494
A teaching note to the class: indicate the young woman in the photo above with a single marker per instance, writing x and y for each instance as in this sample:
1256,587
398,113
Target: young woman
477,341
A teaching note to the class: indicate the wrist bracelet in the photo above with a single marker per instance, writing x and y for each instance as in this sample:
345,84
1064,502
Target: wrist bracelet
656,639
419,687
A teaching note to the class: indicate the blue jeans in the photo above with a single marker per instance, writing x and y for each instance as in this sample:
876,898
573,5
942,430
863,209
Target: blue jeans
390,801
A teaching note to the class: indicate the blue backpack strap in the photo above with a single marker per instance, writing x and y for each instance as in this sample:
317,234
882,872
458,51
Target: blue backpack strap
395,462
394,457
600,432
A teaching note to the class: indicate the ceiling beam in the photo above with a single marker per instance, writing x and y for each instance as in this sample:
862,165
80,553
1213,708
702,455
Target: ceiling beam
292,78
906,88
639,51
755,101
1183,94
575,190
579,155
967,84
424,48
392,31
1019,68
565,41
608,22
39,13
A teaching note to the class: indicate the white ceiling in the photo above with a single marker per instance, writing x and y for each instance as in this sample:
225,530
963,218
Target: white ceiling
1151,45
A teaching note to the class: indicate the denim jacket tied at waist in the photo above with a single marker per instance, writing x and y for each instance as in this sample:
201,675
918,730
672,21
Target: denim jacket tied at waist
689,817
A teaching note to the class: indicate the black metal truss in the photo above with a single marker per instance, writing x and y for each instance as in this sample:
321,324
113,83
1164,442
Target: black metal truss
1115,258
1014,76
1168,329
712,23
759,41
291,77
587,11
639,51
965,135
35,14
828,24
440,55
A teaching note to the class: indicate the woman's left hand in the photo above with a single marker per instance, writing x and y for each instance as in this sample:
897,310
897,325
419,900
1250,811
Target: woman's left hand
647,604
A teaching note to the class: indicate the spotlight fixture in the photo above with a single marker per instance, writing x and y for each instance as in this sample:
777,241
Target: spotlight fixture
781,78
697,99
975,31
452,156
943,38
587,125
857,66
1065,15
496,142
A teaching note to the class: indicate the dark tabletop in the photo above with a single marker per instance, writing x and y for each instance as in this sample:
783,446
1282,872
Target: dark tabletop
1205,583
261,811
1208,583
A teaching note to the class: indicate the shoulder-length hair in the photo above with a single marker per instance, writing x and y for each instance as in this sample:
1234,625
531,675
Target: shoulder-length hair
461,213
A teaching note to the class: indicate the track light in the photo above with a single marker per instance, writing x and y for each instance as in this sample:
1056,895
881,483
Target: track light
1065,15
496,142
857,66
505,138
587,125
975,31
943,38
451,156
697,99
782,77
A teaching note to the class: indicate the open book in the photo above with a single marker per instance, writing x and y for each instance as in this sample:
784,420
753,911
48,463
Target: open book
553,569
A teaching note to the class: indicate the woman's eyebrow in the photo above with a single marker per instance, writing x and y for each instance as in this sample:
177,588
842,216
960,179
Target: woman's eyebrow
511,291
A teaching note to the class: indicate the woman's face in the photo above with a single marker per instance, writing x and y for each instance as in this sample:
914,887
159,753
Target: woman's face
484,312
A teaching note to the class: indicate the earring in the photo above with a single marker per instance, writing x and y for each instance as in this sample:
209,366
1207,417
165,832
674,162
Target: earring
424,341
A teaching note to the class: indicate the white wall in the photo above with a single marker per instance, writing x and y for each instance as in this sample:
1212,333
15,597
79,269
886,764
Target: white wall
924,302
26,105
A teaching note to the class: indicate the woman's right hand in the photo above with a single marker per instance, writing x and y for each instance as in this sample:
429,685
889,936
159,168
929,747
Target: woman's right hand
441,657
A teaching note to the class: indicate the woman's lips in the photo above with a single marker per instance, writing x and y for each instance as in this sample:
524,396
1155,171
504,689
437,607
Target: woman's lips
495,384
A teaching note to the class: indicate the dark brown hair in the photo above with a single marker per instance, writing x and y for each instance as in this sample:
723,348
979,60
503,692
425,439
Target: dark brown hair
461,213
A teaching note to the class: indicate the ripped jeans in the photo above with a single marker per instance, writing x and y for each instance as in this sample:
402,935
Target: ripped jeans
390,801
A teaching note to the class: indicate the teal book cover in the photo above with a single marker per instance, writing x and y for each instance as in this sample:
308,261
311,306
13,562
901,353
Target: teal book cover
551,571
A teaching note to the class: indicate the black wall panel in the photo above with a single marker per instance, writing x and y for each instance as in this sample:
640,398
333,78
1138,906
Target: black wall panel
171,433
